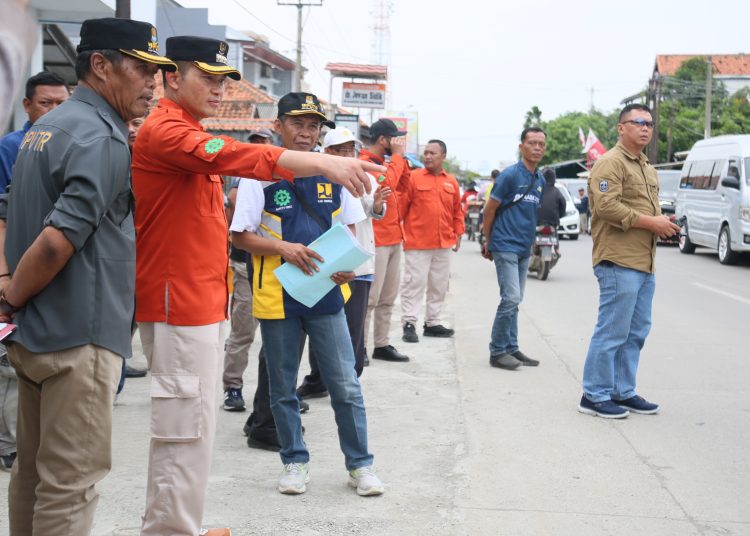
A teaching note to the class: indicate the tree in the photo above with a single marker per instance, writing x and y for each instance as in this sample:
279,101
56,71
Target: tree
533,118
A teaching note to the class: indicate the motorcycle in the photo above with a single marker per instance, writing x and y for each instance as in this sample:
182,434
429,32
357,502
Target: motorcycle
473,229
544,254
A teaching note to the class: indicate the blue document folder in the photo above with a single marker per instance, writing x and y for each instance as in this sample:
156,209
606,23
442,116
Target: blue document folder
341,253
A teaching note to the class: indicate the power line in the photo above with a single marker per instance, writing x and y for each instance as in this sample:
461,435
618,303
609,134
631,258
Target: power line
246,10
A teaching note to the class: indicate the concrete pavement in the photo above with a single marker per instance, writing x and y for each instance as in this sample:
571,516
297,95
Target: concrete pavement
467,449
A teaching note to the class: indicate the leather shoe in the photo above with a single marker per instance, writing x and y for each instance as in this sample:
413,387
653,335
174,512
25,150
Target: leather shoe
504,361
410,333
524,359
437,331
389,353
308,391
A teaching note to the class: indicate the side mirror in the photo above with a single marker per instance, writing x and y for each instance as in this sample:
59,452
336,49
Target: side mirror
731,182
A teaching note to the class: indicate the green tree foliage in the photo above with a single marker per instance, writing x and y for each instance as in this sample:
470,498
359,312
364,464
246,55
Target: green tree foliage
682,112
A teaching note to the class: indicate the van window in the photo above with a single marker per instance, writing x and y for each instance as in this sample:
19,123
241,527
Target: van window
747,170
700,175
685,175
716,174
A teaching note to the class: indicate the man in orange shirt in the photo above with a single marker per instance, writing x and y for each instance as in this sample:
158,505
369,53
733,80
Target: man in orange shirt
181,283
433,224
386,140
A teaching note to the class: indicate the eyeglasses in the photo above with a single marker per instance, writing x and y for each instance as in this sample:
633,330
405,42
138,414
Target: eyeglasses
641,123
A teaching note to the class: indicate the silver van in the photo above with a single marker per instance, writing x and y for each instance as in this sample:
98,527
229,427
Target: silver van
713,201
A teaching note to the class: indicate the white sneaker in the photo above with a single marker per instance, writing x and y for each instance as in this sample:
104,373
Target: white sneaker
366,481
293,478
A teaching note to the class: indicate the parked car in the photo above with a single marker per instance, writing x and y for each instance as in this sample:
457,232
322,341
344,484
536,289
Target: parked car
713,201
669,184
569,224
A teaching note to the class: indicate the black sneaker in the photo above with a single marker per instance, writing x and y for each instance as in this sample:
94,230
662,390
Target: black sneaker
504,361
524,359
606,409
410,333
437,331
6,461
389,353
638,404
233,400
308,391
265,443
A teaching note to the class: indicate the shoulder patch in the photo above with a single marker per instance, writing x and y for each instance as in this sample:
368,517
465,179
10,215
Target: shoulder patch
603,186
214,145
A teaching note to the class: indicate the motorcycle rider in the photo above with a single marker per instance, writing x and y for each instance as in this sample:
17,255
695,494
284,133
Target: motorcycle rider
553,204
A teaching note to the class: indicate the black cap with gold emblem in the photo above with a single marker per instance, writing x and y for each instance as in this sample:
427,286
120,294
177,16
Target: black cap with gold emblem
131,37
302,104
209,55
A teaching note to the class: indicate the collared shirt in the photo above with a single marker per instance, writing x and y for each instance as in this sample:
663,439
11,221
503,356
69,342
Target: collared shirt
514,227
9,145
388,231
431,211
73,173
181,275
623,186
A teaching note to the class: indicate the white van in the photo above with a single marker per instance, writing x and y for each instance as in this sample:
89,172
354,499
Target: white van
713,201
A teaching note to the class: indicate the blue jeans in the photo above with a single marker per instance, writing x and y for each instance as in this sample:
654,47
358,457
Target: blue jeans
511,276
625,297
329,337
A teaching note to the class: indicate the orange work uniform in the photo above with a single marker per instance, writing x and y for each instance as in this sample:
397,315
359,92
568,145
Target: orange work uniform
181,230
431,211
388,229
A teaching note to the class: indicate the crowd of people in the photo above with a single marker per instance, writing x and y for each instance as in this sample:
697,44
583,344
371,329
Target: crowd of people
114,217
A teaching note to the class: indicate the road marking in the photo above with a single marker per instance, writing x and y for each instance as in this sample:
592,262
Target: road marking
723,293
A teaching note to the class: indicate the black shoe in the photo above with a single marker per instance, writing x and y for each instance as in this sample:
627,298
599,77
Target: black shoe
267,443
437,331
308,391
233,400
504,361
410,333
6,461
366,362
524,359
131,372
389,353
304,407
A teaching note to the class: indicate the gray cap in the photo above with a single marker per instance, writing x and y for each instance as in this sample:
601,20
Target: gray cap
262,132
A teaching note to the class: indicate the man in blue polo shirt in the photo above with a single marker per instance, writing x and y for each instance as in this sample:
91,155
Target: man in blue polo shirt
44,92
509,228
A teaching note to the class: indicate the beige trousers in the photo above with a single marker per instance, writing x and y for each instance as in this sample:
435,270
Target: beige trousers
64,438
425,269
186,364
383,293
243,328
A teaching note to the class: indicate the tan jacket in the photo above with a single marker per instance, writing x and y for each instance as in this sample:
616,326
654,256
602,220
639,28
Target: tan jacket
623,186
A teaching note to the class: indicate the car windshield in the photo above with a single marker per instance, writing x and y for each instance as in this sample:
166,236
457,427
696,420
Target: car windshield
669,183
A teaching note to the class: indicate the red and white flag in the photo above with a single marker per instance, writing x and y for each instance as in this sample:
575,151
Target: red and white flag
593,149
581,137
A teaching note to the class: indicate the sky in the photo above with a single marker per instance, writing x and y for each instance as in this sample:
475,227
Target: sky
472,69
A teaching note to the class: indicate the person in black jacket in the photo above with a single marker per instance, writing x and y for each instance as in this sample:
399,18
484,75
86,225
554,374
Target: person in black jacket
553,204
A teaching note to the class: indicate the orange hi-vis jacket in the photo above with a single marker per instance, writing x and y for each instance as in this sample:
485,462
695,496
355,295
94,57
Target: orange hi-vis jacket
431,210
181,229
388,230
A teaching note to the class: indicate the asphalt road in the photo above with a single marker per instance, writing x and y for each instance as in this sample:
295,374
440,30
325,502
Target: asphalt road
466,449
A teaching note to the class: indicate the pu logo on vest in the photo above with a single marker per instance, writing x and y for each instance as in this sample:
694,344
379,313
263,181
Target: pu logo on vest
325,193
282,199
34,140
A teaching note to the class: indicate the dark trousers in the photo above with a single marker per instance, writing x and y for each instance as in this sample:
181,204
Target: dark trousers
356,311
261,423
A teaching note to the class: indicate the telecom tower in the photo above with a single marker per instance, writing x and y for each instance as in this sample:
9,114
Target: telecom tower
381,39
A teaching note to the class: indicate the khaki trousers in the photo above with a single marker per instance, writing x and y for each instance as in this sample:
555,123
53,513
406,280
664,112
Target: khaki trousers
243,327
430,269
583,223
383,293
64,438
186,364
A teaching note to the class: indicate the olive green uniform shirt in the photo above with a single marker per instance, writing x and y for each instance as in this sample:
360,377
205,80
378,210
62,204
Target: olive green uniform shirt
623,186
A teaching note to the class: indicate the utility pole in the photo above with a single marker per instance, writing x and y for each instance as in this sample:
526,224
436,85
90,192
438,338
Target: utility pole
671,126
653,150
122,9
709,87
299,4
